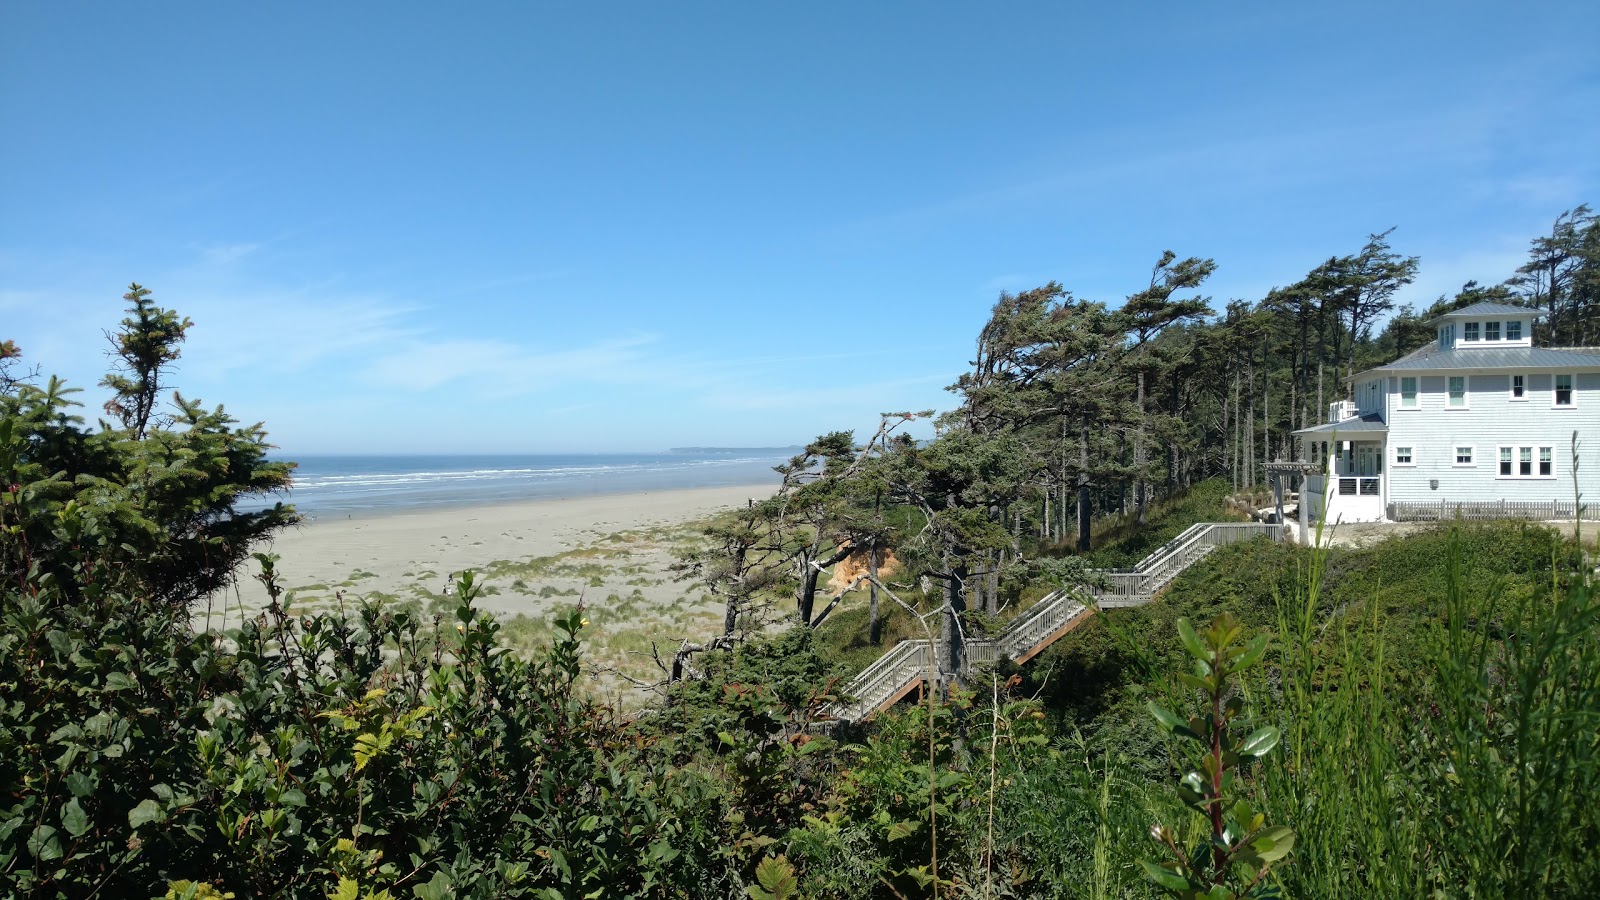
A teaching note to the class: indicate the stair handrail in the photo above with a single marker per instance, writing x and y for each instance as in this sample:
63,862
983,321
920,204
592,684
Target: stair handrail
861,688
1181,537
1161,554
1204,536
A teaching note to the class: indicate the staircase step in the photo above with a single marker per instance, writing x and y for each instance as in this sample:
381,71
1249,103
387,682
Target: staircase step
893,676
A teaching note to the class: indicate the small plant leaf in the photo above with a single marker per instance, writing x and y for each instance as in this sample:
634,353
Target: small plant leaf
45,843
147,811
901,830
1273,844
1170,722
1260,742
74,819
1164,876
1253,653
777,880
1191,641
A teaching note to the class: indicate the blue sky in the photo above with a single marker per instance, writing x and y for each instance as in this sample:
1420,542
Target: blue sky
556,227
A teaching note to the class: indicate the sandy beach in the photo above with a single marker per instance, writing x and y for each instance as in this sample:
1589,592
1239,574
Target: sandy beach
609,551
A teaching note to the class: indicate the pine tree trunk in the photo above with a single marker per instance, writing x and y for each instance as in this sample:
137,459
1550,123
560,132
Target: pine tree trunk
949,627
808,597
874,624
1084,519
1248,432
1266,418
1138,458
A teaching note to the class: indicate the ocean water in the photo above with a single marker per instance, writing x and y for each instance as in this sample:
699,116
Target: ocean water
350,485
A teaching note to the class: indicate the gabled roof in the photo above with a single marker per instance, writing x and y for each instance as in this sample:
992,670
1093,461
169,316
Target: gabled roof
1479,310
1371,422
1493,358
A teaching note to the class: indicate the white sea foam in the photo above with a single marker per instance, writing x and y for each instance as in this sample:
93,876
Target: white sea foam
325,484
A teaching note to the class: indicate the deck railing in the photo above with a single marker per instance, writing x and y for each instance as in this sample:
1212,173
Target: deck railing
1480,510
907,662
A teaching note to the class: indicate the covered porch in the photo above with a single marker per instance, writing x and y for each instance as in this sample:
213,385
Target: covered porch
1348,484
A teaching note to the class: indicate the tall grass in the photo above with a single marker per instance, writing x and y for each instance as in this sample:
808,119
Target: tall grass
1481,778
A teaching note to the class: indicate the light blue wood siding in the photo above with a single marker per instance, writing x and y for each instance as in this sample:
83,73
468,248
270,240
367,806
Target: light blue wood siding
1493,419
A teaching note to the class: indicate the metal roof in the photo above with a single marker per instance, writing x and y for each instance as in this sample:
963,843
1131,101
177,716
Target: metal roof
1478,310
1494,358
1371,422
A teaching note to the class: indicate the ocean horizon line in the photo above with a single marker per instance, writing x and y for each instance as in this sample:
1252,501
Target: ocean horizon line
377,483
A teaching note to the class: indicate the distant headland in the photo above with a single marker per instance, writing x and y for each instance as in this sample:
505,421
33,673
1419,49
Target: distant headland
704,450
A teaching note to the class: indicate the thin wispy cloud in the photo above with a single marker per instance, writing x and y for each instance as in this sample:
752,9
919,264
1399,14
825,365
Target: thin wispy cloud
504,367
227,254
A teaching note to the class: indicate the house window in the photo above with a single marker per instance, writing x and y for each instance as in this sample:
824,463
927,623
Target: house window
1472,331
1458,390
1408,393
1522,459
1463,456
1519,387
1564,390
1491,331
1402,456
1514,331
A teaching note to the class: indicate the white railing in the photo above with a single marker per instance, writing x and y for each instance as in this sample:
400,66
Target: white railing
885,679
906,663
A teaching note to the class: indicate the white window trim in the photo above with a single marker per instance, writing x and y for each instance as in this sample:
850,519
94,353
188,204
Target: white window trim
1466,392
1416,395
1574,403
1516,460
1499,328
1511,389
1467,332
1405,465
1461,465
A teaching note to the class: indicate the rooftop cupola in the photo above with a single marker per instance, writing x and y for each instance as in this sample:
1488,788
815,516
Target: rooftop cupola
1486,325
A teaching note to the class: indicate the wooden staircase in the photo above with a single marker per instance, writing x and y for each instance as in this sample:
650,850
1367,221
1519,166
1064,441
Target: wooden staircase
906,665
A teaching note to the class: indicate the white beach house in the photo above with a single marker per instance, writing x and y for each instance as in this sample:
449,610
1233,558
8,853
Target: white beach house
1478,420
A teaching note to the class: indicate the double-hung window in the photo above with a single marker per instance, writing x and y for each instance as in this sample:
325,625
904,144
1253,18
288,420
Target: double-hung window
1408,393
1519,387
1463,456
1564,389
1518,462
1402,456
1458,391
1514,330
1471,331
1491,331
